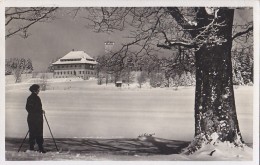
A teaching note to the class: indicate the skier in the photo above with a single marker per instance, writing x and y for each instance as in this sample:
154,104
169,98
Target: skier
35,118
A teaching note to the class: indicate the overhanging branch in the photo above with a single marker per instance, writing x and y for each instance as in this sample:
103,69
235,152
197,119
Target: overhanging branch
171,44
31,20
180,19
242,33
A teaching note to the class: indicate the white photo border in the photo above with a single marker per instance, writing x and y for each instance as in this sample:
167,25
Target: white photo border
126,3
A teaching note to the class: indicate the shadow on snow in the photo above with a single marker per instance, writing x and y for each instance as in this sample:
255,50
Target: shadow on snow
147,145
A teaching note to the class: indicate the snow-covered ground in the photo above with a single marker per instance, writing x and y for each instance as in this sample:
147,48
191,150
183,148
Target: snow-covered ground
82,109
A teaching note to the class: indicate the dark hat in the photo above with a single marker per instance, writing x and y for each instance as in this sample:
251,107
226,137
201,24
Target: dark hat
34,87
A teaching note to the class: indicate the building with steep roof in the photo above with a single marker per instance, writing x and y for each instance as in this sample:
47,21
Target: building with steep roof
75,64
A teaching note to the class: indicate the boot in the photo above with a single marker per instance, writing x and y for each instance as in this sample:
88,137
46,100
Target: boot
41,149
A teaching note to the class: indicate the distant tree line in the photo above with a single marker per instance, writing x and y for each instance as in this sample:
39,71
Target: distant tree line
243,66
173,71
157,71
17,67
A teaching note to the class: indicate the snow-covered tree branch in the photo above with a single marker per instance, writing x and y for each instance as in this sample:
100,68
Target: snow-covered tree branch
209,31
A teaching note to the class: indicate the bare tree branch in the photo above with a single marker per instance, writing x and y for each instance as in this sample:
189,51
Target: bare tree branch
242,32
25,18
18,12
181,20
171,44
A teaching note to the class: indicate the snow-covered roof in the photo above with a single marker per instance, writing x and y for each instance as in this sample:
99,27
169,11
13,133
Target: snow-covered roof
77,54
76,57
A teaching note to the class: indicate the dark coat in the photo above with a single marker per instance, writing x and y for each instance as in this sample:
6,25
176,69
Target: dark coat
35,115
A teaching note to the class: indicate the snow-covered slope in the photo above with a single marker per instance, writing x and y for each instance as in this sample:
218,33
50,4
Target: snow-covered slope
83,109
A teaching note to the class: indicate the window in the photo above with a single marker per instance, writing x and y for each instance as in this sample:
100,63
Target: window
76,59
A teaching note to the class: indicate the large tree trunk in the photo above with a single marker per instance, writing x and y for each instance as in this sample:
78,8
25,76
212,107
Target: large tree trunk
215,111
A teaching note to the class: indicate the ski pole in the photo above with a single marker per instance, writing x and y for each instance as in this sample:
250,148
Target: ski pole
51,132
23,141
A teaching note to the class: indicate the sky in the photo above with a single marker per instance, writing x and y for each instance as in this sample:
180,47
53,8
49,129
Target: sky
53,39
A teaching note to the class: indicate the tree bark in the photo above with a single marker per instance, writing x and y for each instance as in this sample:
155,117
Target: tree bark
215,111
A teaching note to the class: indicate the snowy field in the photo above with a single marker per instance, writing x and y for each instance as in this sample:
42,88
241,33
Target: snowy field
82,109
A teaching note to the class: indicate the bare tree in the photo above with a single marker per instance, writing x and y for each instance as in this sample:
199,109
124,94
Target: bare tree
102,70
243,66
19,20
141,78
129,77
156,79
208,33
17,66
43,81
28,66
8,67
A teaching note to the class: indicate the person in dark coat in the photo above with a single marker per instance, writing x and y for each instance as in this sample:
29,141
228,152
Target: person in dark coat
35,118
